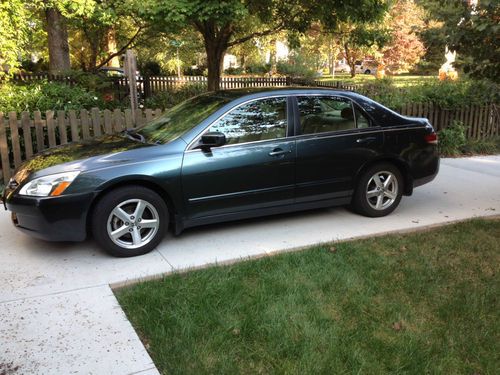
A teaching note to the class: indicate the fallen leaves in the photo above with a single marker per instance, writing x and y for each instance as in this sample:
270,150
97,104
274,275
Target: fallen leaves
397,326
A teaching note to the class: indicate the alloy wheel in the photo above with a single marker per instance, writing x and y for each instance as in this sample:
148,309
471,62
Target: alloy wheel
133,223
382,190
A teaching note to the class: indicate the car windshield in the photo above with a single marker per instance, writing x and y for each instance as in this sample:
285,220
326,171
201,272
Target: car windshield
181,118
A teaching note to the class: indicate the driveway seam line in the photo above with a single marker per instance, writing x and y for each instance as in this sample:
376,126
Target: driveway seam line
141,371
165,259
55,293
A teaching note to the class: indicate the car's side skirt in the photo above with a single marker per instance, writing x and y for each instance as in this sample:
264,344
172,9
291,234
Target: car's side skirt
181,224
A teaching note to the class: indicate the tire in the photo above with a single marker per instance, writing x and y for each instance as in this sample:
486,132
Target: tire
378,197
368,71
134,234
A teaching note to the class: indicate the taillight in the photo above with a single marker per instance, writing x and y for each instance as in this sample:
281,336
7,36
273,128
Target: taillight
431,138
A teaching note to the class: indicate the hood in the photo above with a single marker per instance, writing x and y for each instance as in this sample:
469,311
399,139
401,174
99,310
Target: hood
94,153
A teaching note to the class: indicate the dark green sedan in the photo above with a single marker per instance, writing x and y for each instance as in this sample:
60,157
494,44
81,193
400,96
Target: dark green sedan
223,156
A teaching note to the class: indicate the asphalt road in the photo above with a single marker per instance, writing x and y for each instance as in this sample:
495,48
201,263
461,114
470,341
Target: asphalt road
58,313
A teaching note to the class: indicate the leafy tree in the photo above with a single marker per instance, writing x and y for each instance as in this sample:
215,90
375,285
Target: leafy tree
222,23
56,13
14,26
474,32
405,49
476,39
103,33
434,35
359,40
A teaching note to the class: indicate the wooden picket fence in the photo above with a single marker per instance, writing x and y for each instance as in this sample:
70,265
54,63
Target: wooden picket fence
150,85
482,122
21,138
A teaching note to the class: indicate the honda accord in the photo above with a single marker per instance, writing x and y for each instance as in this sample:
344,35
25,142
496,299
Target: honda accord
222,156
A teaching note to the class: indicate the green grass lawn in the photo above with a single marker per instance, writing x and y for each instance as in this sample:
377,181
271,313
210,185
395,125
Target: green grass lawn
422,303
402,80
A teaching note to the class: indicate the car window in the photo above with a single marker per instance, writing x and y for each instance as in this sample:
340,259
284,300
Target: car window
181,118
255,121
322,114
361,120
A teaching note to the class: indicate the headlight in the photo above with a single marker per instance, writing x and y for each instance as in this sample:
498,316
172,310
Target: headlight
52,185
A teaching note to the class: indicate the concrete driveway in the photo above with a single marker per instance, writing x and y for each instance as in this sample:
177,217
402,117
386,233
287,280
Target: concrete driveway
58,314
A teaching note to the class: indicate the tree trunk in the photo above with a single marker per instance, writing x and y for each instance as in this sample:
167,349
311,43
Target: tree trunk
331,63
272,57
216,44
243,61
215,58
57,36
351,60
111,47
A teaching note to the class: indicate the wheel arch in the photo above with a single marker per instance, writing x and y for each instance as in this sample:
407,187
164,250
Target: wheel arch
398,163
137,181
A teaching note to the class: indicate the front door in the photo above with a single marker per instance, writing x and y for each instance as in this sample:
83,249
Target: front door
253,170
336,140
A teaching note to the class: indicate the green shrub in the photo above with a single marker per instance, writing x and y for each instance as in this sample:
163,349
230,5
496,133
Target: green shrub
93,82
258,68
296,70
167,99
452,139
234,71
446,94
150,68
481,146
45,96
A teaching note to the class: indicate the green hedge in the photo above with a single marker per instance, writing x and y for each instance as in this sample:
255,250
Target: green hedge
45,96
446,94
91,90
453,142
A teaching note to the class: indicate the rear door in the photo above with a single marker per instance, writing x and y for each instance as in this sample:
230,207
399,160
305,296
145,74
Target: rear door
336,139
255,169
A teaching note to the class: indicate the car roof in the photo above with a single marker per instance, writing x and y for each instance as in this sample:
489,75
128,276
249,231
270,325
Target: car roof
233,94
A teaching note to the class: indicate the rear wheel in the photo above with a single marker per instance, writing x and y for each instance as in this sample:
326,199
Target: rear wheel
368,71
379,191
130,221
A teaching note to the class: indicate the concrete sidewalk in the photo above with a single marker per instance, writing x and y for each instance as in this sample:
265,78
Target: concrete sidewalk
58,314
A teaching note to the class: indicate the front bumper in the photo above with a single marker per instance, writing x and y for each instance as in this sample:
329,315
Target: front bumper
62,218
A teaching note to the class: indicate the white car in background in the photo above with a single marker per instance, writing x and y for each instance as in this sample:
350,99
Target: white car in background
366,67
342,67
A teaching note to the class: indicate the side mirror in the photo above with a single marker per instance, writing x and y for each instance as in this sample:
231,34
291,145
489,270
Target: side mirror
212,139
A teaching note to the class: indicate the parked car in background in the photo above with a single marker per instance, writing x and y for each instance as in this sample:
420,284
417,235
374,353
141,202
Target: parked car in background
223,156
112,72
116,72
342,67
366,67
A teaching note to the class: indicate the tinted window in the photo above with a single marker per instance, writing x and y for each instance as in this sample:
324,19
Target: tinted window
181,118
321,114
255,121
361,120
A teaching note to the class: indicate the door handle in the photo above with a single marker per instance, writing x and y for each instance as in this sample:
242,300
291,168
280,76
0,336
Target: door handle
366,140
278,152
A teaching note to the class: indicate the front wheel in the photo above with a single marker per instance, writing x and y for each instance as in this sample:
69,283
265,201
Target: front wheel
379,191
130,221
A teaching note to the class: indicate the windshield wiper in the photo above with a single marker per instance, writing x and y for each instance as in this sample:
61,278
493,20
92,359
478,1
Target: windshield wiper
133,135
